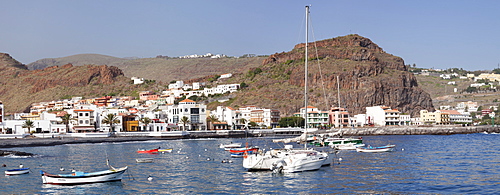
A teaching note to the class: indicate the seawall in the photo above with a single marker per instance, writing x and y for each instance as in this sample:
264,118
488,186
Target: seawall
422,130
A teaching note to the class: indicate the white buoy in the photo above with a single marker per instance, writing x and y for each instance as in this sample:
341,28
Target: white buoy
187,156
150,178
61,169
402,149
230,161
340,159
208,159
223,160
21,166
205,149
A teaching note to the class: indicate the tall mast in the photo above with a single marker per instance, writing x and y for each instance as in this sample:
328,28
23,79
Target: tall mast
305,72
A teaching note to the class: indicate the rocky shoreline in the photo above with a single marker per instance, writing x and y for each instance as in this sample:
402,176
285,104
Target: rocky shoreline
369,131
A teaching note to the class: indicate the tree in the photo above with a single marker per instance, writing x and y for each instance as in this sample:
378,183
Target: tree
111,120
185,121
66,120
291,121
244,121
210,120
28,124
253,124
145,121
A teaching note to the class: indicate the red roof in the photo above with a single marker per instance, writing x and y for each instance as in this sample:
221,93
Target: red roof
187,100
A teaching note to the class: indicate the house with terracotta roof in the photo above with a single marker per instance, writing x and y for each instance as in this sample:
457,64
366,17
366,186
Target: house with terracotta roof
458,117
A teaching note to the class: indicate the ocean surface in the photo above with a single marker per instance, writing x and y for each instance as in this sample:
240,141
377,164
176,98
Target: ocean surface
421,164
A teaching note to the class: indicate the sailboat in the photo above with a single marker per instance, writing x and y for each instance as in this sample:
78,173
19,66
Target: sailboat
289,160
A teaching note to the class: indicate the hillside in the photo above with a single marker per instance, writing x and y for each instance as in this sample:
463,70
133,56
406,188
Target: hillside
368,76
76,60
20,87
158,69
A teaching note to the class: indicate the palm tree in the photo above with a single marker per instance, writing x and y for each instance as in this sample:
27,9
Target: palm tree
66,120
145,121
28,124
243,121
210,120
184,121
111,119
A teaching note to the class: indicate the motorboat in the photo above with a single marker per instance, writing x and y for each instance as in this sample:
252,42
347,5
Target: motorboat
269,160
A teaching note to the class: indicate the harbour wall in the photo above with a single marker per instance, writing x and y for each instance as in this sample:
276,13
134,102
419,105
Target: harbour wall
418,130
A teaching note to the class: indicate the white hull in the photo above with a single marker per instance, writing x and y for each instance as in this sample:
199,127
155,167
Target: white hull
304,162
17,171
96,177
260,161
144,160
369,149
350,146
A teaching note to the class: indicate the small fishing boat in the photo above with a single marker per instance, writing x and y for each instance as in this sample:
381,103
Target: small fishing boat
155,150
169,150
144,160
79,177
17,171
348,146
386,148
230,146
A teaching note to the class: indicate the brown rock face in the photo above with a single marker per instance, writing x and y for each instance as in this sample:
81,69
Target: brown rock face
19,87
367,76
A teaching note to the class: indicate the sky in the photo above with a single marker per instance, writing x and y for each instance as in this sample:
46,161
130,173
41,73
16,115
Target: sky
431,34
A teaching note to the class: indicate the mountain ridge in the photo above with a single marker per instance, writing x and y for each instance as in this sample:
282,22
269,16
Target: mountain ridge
368,76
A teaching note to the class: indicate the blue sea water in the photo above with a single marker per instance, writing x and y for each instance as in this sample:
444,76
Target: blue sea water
421,164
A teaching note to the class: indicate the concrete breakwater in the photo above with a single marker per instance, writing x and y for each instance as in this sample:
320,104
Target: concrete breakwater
410,130
422,130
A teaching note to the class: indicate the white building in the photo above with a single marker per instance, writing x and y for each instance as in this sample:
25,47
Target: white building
231,116
195,113
383,116
137,80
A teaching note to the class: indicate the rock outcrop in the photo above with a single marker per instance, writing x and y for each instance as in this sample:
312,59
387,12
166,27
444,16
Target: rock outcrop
19,87
367,76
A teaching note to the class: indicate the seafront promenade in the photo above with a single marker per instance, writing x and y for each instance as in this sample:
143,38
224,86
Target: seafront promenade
369,131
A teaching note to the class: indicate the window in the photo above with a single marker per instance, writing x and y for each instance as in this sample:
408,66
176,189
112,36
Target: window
195,111
86,114
195,119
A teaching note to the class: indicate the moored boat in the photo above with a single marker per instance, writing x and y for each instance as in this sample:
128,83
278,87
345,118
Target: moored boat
169,150
17,171
348,146
386,148
230,146
155,150
84,178
144,160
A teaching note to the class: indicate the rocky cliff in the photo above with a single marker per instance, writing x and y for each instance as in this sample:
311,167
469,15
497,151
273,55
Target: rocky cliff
19,87
367,76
